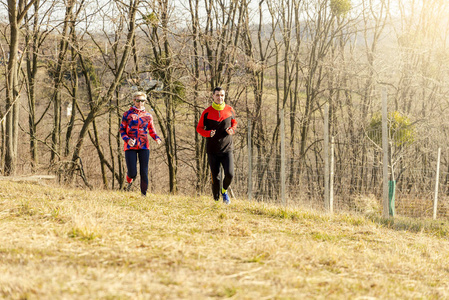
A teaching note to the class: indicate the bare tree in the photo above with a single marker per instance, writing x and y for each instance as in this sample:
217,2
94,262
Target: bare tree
375,19
57,74
33,38
321,30
16,12
201,166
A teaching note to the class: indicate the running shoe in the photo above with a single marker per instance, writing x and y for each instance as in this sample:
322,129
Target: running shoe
226,199
130,183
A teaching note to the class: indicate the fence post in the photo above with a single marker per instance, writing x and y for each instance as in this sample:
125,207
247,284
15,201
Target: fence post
250,164
437,180
282,157
331,184
326,157
385,211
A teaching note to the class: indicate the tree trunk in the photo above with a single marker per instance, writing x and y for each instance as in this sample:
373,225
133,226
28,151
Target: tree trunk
57,79
12,92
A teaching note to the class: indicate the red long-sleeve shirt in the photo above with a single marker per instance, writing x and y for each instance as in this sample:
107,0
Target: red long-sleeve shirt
218,120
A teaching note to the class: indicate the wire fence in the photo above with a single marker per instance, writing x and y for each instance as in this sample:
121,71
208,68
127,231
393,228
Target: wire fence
354,172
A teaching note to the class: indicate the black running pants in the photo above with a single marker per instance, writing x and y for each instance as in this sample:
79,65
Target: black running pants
131,163
226,160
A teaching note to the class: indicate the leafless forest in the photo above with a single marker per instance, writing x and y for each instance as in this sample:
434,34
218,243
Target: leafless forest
68,69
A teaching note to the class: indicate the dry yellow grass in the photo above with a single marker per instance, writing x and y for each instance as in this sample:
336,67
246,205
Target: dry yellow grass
57,243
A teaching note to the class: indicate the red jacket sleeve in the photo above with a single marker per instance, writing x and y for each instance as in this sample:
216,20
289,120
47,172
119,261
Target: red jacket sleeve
200,127
151,130
233,121
124,127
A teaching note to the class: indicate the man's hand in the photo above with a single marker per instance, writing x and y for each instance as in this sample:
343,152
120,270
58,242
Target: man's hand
131,142
230,130
212,133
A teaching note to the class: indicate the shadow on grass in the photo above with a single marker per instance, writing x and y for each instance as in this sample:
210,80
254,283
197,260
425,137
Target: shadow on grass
436,227
439,228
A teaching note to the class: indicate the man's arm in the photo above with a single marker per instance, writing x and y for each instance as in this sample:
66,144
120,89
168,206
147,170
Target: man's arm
200,127
231,130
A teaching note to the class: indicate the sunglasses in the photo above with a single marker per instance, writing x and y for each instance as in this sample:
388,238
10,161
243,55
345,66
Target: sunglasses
139,100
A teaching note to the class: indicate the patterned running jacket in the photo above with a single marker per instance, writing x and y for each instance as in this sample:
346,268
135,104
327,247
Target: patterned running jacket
137,124
219,120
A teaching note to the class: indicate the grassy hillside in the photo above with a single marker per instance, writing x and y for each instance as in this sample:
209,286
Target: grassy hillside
70,244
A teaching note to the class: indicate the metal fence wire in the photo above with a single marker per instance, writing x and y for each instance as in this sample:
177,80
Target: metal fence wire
355,173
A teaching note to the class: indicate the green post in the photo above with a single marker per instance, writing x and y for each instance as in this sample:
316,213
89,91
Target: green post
391,194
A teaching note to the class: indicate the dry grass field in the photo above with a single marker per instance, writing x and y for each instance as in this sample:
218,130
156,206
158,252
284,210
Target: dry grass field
60,243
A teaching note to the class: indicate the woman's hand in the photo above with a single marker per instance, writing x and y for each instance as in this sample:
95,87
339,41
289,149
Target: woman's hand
131,142
158,141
